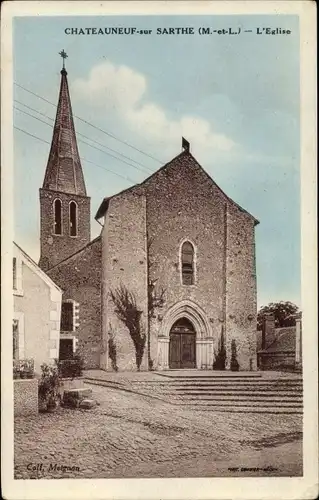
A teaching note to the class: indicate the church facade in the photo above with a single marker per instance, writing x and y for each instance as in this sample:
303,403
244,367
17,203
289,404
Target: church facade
176,244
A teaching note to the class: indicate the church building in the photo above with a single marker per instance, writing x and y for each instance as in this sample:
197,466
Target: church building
174,250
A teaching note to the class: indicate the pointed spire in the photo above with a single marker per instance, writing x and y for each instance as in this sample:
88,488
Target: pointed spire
64,171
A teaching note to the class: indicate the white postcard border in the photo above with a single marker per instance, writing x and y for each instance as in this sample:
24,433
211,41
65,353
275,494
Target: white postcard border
199,488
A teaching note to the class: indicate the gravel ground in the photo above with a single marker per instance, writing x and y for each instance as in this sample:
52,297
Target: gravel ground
129,435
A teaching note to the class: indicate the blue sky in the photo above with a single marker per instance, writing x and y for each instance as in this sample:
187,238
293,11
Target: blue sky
235,98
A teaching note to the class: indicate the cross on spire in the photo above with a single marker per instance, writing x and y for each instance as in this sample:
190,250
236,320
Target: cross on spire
64,55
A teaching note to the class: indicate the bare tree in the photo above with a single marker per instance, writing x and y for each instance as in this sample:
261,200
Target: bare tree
112,348
155,299
127,311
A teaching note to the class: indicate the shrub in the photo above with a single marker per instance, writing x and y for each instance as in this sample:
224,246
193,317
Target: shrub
49,387
71,368
220,358
23,368
234,365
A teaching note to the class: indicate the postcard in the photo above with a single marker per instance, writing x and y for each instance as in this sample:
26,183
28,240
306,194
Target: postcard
159,250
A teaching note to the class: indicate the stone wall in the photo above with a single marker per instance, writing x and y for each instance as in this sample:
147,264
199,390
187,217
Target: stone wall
277,360
144,229
184,204
124,263
80,279
56,247
241,295
25,397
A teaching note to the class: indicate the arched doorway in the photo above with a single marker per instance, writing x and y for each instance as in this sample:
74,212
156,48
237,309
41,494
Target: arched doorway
182,345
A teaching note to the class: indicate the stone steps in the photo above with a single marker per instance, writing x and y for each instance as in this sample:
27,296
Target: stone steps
240,393
253,376
246,395
246,409
247,401
290,385
222,395
237,390
236,393
285,382
277,383
198,391
220,387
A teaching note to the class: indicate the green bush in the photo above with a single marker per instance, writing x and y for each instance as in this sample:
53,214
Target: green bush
49,387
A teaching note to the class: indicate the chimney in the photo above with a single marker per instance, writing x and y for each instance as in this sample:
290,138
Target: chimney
268,330
185,145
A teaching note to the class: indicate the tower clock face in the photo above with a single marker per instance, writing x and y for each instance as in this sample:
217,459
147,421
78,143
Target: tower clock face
50,240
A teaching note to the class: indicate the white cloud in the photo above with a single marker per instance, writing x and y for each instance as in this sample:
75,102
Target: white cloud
124,90
110,86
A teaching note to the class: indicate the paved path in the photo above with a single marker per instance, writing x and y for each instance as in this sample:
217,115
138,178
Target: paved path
129,435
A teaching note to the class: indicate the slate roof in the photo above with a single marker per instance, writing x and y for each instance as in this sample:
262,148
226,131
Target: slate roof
64,171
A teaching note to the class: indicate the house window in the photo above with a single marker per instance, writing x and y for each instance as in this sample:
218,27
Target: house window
17,272
57,217
15,339
73,218
187,263
67,317
14,270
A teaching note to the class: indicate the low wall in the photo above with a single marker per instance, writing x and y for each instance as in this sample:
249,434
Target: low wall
25,397
276,360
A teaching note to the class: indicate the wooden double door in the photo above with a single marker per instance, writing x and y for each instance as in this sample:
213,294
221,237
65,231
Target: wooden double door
182,345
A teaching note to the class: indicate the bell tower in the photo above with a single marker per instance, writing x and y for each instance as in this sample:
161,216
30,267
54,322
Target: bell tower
64,204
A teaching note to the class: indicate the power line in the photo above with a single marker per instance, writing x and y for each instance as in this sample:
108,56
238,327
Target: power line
146,169
32,116
80,140
82,158
33,109
91,125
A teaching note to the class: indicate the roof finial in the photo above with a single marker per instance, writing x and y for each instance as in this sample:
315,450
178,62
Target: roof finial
64,55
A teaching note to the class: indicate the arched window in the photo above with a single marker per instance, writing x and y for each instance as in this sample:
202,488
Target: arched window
187,263
57,217
73,218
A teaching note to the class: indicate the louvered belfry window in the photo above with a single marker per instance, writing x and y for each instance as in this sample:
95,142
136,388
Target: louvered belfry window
57,217
187,263
73,218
